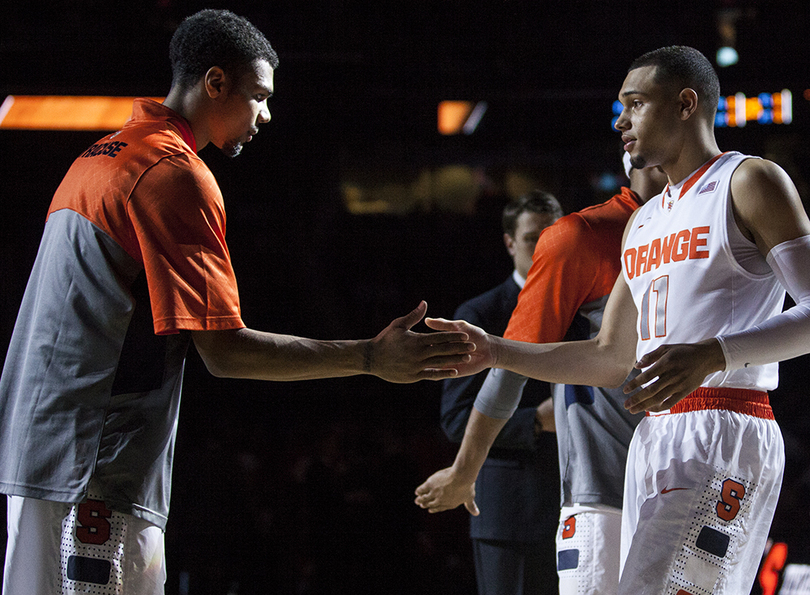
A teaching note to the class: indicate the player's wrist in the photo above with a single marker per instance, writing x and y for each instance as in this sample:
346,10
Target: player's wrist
498,352
367,356
714,355
463,472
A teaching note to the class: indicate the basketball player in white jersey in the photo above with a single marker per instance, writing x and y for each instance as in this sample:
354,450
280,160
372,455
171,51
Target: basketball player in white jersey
698,309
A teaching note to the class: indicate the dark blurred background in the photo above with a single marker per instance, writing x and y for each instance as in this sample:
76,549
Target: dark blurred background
349,208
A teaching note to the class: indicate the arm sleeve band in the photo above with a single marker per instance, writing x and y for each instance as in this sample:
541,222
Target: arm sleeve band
786,335
500,394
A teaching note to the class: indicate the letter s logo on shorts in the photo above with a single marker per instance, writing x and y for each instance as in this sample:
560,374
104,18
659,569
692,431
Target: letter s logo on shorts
569,527
95,528
729,506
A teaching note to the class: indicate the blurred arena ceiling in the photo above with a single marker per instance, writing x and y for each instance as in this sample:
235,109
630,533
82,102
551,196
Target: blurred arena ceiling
393,46
374,63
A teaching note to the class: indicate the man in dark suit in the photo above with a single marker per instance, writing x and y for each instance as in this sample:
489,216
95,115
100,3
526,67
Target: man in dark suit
518,487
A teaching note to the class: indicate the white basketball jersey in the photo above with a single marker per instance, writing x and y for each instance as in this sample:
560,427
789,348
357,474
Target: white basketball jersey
685,281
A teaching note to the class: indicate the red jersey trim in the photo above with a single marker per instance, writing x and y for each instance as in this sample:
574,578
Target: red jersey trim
148,109
147,190
739,400
692,180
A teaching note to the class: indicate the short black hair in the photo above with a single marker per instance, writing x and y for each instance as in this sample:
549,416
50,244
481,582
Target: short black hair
536,201
216,38
686,67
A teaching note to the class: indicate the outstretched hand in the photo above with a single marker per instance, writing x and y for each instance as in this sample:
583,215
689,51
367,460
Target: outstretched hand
482,357
671,372
444,491
400,355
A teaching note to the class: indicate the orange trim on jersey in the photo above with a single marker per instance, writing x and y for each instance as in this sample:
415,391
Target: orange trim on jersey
184,127
739,400
692,179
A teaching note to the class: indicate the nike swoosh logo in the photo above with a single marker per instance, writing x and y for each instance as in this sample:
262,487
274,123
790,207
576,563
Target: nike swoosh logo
668,490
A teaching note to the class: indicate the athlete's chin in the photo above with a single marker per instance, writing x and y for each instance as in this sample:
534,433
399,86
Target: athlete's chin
638,162
231,149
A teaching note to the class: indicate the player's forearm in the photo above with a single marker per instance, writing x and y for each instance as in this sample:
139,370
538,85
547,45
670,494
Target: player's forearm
479,436
782,337
596,362
256,355
786,335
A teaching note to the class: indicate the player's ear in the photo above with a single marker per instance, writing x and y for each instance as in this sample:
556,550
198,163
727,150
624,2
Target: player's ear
688,105
214,81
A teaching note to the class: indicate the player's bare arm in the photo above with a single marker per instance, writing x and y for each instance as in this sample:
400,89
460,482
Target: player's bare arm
451,487
396,354
604,360
767,205
768,210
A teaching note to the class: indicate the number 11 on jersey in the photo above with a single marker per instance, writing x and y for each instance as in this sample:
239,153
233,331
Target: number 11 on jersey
654,307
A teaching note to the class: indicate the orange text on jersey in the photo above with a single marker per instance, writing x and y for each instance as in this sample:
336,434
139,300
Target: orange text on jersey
687,244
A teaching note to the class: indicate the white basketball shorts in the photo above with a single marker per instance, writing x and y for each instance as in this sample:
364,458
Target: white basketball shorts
588,540
700,493
62,549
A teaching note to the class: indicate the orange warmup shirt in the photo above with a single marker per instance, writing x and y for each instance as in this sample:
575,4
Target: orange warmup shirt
160,202
575,265
576,262
133,256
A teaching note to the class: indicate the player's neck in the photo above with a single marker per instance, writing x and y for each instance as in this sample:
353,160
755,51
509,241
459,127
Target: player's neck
188,103
690,161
